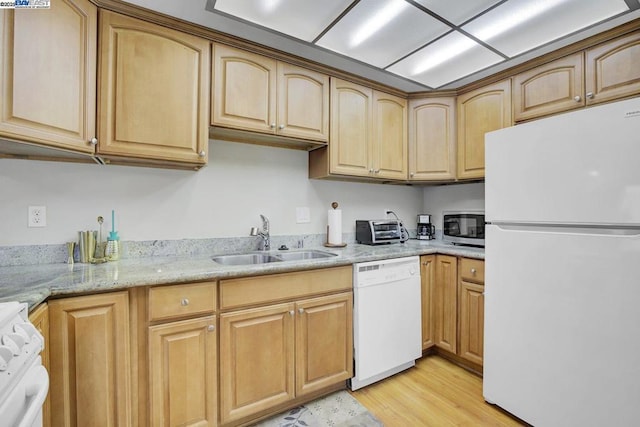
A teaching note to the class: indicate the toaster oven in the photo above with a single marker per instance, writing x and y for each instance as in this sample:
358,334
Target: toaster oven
378,232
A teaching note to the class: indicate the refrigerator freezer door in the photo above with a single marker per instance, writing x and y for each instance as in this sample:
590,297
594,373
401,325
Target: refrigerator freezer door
580,167
561,325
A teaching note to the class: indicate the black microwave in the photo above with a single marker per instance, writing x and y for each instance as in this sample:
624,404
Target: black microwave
463,227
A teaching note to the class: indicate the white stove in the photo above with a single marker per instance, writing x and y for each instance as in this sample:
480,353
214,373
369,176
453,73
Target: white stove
24,382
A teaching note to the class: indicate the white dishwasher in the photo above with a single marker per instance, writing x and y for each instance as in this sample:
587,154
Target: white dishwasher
387,318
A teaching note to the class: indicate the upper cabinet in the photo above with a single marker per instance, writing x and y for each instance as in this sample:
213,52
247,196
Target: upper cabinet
480,111
368,135
154,93
48,75
613,69
551,88
254,93
432,139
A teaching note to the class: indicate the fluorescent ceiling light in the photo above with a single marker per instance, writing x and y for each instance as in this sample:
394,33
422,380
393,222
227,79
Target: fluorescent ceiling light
379,20
515,18
458,47
270,5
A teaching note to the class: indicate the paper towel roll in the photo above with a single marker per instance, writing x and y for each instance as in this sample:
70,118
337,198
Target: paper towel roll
334,233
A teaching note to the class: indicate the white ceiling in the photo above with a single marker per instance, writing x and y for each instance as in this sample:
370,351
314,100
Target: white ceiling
413,45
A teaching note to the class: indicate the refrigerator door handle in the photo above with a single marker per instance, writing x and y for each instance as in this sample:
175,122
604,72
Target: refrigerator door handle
585,229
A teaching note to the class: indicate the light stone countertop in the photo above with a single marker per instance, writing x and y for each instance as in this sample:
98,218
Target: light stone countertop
33,284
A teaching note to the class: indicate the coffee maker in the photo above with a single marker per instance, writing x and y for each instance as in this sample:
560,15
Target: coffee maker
426,230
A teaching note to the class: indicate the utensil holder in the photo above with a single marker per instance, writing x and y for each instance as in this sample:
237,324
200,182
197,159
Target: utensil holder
112,251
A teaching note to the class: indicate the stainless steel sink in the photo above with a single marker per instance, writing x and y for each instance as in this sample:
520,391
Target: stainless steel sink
263,258
245,259
299,255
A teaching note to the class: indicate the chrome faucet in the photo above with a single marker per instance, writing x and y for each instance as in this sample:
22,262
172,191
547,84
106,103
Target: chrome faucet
266,240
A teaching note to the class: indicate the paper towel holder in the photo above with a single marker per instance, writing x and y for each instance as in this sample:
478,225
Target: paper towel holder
334,205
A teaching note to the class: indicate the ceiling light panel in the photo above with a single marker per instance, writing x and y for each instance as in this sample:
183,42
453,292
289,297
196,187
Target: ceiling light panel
450,58
518,26
380,32
457,12
302,19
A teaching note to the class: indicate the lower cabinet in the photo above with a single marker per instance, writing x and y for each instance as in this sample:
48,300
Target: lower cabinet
453,306
182,367
90,360
270,355
40,319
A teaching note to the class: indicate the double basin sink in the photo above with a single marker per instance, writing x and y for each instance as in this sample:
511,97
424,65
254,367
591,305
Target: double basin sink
264,258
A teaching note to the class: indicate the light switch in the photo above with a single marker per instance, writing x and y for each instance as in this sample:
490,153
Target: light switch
303,215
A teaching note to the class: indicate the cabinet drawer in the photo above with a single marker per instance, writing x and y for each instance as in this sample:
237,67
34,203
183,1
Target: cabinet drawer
279,287
472,270
167,302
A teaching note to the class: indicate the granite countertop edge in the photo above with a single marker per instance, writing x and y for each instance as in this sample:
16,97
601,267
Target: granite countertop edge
34,284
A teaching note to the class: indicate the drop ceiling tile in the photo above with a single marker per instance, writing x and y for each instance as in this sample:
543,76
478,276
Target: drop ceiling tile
518,26
302,19
401,28
457,12
452,57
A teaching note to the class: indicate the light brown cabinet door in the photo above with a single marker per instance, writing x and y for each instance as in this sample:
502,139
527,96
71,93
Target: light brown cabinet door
432,139
550,88
256,360
40,319
303,103
183,372
324,342
90,360
471,321
480,111
154,91
389,144
244,90
428,277
351,115
48,74
445,296
613,69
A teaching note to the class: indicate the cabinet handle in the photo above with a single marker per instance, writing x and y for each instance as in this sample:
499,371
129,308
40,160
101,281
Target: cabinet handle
184,302
577,98
590,95
211,328
281,127
376,171
291,313
202,153
301,310
473,271
273,126
93,141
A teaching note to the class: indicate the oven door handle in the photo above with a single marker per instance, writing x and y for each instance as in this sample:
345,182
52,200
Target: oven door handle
36,390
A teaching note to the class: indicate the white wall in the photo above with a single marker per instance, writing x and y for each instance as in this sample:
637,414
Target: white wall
452,197
223,199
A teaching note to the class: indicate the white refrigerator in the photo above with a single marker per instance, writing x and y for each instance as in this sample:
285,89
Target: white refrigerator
562,293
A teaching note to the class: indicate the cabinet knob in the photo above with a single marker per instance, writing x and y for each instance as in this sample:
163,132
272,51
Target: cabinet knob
202,153
93,141
291,313
211,328
473,271
301,310
281,127
184,302
370,170
577,98
411,174
590,95
426,263
273,126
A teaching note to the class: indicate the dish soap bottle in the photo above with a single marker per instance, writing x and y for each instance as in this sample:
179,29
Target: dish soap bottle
112,251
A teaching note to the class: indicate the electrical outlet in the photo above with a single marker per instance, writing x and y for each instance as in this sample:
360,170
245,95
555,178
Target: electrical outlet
37,216
303,215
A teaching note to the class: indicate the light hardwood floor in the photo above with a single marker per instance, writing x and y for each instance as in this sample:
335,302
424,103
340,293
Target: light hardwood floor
433,393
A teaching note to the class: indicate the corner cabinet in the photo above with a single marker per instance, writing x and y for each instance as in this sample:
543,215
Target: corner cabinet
291,346
445,296
480,111
255,93
154,94
368,135
90,360
432,139
428,279
48,75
